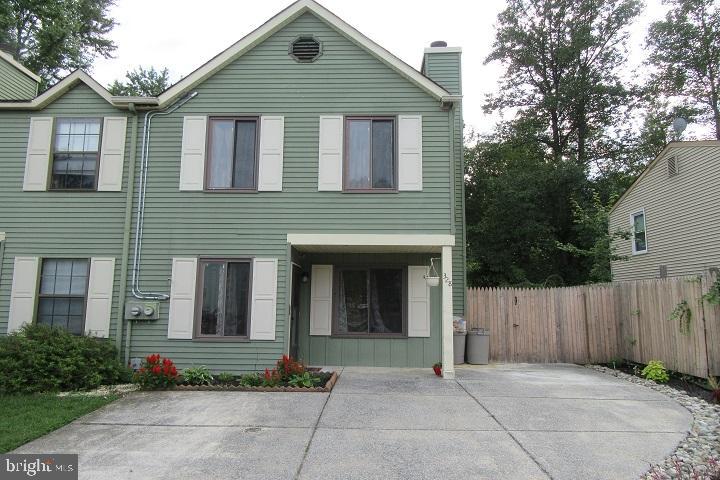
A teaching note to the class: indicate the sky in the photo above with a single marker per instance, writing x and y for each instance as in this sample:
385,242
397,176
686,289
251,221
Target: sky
188,36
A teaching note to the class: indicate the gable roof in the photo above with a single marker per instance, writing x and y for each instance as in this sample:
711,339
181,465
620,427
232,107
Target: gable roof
285,17
651,165
20,67
78,76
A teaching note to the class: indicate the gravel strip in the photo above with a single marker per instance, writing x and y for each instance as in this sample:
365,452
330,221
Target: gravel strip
698,455
103,391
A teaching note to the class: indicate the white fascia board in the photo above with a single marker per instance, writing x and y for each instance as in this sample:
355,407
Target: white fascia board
282,19
350,239
443,50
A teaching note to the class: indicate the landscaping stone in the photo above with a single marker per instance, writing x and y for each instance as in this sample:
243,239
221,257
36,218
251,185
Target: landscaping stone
698,455
104,390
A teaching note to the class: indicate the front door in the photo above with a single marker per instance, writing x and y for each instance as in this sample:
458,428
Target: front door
295,310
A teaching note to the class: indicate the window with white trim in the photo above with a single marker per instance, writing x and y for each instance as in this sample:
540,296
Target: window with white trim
63,293
76,153
639,234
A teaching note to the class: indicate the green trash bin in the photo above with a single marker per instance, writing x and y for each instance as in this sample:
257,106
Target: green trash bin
459,347
478,346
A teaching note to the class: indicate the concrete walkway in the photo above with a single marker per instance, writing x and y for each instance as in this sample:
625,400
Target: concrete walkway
494,422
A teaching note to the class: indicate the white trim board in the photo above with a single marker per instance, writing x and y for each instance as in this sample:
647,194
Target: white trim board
2,236
349,239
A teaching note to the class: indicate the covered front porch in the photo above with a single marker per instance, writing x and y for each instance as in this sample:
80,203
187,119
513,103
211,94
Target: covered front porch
363,300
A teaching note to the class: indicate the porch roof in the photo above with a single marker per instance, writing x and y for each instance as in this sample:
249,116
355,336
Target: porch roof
369,243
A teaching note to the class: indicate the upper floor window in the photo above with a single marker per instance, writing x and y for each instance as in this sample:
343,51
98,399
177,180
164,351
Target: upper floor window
232,154
370,154
225,298
63,290
76,153
639,238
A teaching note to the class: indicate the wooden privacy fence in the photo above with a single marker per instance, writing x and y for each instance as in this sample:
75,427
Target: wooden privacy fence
600,323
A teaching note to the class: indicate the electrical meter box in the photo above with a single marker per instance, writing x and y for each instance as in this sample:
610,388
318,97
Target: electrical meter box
142,310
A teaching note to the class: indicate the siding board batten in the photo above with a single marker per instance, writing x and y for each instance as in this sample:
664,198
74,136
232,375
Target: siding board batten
418,302
182,298
264,299
112,155
24,292
321,299
410,168
192,158
270,168
99,297
37,159
330,161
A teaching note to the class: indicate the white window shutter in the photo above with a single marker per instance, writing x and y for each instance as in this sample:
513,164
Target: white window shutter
418,302
182,298
330,162
112,154
264,299
410,171
37,159
23,293
192,159
321,299
270,168
99,297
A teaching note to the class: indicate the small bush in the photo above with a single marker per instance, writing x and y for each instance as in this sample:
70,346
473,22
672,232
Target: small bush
40,358
225,377
197,376
655,371
156,374
305,380
251,380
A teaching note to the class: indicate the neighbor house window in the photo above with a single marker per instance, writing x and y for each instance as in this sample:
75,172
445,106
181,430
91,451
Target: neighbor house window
639,237
225,298
76,153
369,301
370,153
232,154
63,287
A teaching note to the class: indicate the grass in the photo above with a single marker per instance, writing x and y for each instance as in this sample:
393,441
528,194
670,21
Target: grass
27,417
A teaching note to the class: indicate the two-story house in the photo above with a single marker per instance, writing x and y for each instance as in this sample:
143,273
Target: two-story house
288,196
672,215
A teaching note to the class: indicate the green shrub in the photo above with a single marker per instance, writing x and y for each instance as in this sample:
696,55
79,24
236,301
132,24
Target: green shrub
251,380
40,358
655,371
225,377
306,380
197,376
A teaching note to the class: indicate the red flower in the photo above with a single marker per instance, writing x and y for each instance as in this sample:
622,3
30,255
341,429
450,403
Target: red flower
156,369
167,362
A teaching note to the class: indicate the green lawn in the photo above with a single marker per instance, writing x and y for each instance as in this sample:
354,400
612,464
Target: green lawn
27,417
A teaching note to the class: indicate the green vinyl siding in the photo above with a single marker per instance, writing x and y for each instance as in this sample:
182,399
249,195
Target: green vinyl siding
14,84
55,224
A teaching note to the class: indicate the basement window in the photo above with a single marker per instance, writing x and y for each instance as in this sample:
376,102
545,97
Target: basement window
305,49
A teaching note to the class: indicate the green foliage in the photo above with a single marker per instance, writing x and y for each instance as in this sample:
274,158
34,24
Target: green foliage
683,49
683,315
251,380
27,417
592,224
655,371
712,296
225,377
156,373
306,379
142,82
41,358
197,376
53,38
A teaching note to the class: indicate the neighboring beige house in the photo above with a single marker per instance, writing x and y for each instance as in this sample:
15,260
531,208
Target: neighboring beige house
672,212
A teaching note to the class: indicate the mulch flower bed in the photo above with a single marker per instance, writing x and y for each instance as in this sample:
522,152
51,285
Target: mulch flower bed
328,382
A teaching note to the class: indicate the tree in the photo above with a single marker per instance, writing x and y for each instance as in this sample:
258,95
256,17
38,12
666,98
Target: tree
53,38
684,48
593,229
561,60
142,82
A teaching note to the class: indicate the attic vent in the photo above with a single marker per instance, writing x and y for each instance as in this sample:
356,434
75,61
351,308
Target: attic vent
305,49
672,166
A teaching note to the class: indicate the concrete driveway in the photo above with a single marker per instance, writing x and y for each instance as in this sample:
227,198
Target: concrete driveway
494,422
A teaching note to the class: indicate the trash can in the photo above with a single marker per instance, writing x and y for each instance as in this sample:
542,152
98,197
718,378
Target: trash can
478,346
459,347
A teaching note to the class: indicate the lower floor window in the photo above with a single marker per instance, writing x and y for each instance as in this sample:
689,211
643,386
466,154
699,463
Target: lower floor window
225,302
63,286
369,301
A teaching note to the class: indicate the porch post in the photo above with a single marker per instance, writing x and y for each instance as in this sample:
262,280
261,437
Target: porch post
448,365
